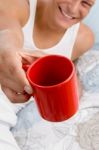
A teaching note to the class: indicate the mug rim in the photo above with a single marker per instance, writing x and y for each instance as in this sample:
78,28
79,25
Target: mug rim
50,86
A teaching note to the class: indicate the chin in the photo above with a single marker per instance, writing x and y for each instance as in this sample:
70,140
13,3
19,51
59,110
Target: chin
66,25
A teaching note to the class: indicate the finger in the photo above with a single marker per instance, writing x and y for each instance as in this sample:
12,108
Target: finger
36,53
19,77
14,71
14,97
31,56
12,84
23,81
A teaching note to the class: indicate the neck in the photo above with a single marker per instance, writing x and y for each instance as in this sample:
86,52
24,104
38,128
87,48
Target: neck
44,25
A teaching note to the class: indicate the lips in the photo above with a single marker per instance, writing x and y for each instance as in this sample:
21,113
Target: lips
65,14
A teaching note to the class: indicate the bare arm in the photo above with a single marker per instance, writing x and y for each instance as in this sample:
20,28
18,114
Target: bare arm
10,33
12,79
84,42
13,16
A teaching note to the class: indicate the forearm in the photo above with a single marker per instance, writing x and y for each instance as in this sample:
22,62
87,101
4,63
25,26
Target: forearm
10,33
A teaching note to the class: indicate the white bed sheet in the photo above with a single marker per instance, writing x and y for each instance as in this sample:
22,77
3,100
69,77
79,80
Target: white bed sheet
81,132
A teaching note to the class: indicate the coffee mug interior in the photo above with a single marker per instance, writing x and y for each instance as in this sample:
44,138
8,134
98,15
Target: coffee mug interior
50,71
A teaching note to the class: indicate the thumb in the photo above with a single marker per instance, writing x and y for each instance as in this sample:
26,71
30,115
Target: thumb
28,58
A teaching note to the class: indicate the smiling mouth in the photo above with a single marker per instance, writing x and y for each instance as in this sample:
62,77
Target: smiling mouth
65,14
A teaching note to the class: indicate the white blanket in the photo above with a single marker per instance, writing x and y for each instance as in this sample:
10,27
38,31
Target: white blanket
81,132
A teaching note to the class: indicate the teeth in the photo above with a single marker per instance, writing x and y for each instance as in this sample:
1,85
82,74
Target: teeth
67,16
63,12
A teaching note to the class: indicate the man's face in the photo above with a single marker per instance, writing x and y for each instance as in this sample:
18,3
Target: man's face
65,13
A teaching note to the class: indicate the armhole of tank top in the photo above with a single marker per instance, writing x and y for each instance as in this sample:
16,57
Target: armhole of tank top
73,35
75,32
31,18
68,40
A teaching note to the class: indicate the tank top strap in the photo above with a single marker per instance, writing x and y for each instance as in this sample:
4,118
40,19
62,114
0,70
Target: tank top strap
28,28
68,40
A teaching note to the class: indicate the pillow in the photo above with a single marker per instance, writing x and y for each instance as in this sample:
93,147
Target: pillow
92,21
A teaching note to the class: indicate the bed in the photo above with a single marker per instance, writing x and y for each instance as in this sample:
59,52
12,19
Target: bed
81,132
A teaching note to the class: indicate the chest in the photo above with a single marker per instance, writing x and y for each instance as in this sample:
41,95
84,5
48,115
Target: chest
45,39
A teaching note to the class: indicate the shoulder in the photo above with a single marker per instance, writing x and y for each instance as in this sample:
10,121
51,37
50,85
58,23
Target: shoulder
84,41
18,9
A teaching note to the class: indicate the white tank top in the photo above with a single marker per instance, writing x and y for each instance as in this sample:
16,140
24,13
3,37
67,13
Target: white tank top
65,45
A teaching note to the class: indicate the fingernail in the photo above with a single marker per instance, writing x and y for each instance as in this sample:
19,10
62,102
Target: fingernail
28,89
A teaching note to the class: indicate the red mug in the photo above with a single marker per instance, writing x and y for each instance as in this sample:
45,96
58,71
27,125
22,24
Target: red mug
54,82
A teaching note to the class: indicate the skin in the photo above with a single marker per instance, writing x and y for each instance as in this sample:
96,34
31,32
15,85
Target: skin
53,17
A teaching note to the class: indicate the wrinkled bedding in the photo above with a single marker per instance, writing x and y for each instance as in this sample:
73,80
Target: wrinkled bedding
81,132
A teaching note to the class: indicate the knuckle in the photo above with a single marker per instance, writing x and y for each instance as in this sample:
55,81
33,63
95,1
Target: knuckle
18,87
